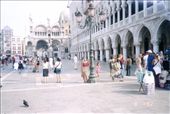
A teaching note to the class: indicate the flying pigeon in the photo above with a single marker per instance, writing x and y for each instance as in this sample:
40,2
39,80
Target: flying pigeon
25,103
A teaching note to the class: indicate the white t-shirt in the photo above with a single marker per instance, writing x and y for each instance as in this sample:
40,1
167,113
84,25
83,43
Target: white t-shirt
45,65
75,59
58,64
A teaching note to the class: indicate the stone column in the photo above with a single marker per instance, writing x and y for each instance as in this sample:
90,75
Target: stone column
113,12
81,55
107,54
137,49
84,54
118,12
130,10
155,46
155,7
88,55
114,51
167,5
124,52
101,55
145,8
96,55
136,8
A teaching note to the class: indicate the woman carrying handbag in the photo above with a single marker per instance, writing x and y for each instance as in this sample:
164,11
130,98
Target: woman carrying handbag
57,70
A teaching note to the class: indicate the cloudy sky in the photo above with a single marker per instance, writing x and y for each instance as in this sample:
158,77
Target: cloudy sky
16,13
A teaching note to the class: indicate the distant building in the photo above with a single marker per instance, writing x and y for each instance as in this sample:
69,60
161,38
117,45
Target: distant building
48,39
1,44
17,46
7,34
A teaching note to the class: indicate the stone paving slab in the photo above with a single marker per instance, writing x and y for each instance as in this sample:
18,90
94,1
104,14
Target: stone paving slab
74,96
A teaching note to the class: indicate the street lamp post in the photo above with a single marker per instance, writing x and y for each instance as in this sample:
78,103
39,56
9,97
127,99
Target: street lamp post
90,13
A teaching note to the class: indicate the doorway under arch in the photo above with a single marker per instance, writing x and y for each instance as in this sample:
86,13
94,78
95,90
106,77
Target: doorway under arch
118,45
130,45
145,40
110,47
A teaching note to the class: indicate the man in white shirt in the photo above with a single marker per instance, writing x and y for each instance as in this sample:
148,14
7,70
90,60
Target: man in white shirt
75,62
145,58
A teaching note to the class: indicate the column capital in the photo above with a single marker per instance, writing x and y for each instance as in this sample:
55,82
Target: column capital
154,42
137,44
123,5
129,2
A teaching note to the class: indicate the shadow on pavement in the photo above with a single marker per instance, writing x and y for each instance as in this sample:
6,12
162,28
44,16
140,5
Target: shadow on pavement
131,92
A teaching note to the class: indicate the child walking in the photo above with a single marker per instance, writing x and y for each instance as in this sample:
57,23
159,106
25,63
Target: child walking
98,69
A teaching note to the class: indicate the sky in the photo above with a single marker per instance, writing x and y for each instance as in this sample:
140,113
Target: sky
16,14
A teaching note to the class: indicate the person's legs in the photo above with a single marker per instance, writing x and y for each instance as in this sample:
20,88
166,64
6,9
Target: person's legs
56,78
59,78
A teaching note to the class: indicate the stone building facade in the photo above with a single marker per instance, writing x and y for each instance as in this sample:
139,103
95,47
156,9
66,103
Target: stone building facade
47,39
17,45
7,34
131,27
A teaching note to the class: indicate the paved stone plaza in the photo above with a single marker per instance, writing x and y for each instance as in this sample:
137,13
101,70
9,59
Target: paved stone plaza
74,96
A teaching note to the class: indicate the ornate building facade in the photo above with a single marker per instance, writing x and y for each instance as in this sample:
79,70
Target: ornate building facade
131,27
48,40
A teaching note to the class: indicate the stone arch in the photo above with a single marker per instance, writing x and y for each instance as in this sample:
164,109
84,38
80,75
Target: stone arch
138,30
159,23
41,28
42,44
163,35
145,39
41,48
29,43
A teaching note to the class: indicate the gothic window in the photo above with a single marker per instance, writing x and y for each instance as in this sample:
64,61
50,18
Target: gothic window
104,24
133,8
116,17
111,19
121,14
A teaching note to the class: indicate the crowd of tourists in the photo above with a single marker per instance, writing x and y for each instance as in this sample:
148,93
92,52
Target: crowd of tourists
157,63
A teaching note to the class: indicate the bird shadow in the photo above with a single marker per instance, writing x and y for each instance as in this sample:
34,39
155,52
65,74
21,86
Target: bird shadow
23,106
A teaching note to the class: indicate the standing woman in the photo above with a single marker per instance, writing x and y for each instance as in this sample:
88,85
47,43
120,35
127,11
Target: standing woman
20,66
84,69
58,66
156,69
45,70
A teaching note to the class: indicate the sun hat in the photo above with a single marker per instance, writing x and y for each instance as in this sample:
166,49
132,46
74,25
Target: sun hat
149,51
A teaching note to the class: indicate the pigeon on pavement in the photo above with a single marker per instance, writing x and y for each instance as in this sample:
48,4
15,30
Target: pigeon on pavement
25,103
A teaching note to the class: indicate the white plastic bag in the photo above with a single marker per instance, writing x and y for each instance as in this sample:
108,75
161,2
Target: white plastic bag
148,77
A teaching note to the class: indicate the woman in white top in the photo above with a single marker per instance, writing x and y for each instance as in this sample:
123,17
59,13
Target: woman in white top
57,70
45,70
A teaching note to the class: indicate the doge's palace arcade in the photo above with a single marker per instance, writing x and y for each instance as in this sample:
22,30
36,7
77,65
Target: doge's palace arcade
131,27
